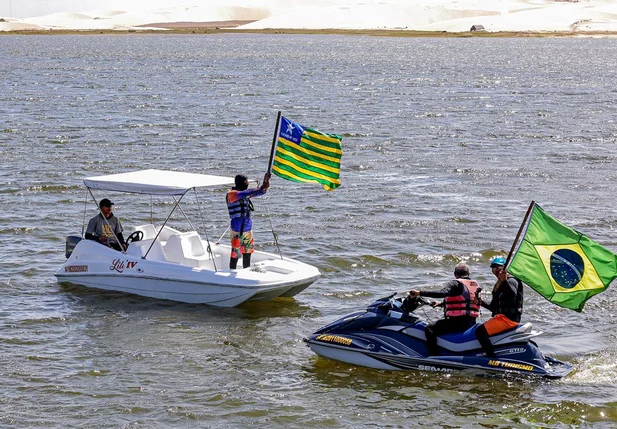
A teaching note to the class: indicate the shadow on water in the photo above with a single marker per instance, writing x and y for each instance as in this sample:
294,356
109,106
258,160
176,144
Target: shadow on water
128,303
333,374
513,401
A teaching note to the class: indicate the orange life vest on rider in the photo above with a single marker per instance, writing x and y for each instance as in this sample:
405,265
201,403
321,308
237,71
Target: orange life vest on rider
466,304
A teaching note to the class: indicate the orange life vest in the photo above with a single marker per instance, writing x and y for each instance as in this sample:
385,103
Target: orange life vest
466,304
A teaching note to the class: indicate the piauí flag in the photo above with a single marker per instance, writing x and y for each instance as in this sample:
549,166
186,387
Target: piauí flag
307,155
561,264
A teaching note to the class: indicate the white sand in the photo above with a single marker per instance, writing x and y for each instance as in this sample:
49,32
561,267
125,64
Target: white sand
432,15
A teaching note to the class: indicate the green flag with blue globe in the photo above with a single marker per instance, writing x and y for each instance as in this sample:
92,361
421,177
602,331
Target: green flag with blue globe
561,264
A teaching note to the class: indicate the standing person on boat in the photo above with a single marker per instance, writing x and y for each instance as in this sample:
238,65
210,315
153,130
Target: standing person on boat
106,228
240,208
461,306
506,306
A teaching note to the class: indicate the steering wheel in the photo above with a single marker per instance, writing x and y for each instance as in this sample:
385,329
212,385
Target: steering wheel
135,236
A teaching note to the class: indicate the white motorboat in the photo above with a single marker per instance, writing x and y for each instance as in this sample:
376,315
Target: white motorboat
166,263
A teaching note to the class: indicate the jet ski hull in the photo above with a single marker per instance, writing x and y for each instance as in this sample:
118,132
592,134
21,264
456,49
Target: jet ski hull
478,366
374,339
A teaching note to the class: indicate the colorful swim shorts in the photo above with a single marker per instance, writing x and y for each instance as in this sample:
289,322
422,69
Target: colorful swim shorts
241,245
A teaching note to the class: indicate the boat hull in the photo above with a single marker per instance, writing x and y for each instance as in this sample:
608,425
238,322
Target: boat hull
95,266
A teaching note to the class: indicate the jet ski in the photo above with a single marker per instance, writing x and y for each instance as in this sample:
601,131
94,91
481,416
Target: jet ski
390,335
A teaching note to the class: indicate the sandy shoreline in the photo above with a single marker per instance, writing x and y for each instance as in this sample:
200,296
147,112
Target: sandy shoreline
220,27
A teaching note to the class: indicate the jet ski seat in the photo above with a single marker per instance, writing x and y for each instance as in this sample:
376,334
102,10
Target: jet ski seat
465,341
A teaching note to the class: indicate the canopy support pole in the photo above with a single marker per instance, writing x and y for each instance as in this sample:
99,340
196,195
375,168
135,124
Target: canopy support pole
185,216
83,224
274,234
203,225
223,235
164,223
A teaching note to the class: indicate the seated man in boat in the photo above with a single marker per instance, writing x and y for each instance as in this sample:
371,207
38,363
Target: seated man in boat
461,306
506,306
240,208
106,228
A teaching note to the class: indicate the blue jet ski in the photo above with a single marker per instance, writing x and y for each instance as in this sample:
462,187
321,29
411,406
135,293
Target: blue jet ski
389,335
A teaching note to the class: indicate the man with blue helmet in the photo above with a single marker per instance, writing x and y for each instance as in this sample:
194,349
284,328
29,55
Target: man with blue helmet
506,306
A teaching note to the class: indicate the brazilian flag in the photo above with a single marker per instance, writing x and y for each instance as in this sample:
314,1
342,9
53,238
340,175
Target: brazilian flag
561,264
306,155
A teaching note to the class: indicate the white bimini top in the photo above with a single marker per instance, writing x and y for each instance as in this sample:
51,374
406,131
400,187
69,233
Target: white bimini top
156,182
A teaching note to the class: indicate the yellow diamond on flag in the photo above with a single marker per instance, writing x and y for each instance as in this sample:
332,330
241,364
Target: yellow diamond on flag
568,268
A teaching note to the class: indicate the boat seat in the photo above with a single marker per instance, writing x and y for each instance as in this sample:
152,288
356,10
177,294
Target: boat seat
139,249
187,249
148,229
167,232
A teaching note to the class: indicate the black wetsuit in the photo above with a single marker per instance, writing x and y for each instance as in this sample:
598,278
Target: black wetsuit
507,299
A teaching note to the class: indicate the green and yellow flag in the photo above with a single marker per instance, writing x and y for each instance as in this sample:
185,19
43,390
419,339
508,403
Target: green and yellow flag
307,155
561,264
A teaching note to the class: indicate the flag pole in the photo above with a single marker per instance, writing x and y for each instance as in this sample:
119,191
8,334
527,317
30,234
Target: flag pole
274,139
531,206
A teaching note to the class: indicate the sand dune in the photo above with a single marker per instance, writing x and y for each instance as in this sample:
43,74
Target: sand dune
422,15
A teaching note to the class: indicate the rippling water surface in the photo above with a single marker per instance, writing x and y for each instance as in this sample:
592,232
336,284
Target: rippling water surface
446,141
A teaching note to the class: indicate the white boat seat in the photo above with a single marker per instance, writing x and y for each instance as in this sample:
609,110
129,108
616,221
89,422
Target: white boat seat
167,232
139,249
187,249
148,229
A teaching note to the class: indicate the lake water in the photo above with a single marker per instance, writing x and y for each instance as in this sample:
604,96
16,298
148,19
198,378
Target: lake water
446,142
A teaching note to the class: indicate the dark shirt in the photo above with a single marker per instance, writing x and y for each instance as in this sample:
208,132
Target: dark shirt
507,299
451,288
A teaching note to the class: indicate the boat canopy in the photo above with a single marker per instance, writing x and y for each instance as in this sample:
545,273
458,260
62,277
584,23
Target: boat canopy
156,182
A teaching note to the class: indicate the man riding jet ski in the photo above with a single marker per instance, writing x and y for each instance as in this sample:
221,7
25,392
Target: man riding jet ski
461,306
390,335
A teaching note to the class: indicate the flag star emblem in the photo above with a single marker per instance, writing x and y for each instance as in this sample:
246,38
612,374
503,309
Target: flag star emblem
290,128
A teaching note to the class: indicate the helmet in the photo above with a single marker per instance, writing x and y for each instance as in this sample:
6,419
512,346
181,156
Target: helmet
498,261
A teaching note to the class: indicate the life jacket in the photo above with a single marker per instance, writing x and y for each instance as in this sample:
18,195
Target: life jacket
466,304
240,208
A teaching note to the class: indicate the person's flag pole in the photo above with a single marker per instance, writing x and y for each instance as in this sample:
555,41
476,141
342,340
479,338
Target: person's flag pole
274,140
520,230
